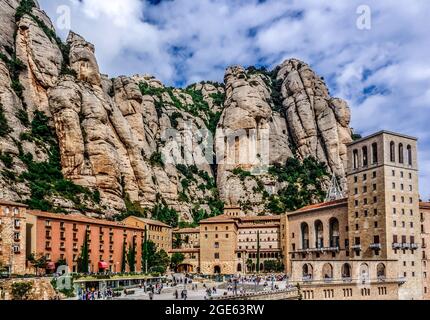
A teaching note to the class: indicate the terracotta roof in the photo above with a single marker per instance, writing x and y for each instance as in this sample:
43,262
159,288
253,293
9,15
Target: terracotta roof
220,218
79,218
322,205
425,205
11,203
187,230
197,250
150,221
260,218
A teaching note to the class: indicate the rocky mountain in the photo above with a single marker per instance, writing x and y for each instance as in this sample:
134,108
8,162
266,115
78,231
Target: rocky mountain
73,139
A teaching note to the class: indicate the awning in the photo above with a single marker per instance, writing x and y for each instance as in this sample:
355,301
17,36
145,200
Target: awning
50,266
103,265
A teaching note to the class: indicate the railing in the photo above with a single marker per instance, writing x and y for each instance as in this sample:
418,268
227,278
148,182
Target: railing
406,246
321,250
376,246
291,292
356,247
397,246
349,281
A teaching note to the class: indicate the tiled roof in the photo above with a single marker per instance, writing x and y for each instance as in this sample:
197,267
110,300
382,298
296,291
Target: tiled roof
322,205
425,205
78,218
220,218
197,250
187,230
11,203
260,218
150,221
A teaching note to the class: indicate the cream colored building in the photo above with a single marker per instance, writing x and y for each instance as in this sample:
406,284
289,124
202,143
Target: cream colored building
158,232
189,246
425,245
12,237
383,205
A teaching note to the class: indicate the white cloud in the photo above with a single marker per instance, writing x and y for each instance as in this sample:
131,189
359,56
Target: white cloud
184,41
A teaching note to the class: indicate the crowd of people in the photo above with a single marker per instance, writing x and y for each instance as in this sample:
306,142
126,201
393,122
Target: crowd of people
237,285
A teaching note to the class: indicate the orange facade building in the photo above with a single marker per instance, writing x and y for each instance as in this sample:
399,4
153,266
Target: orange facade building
61,237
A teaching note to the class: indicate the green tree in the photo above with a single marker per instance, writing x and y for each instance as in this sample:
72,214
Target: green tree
61,262
131,258
20,290
38,262
305,184
249,264
4,126
124,257
163,213
161,261
176,260
258,251
84,259
145,251
177,241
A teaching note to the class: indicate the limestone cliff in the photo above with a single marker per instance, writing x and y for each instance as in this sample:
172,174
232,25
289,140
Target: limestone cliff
116,144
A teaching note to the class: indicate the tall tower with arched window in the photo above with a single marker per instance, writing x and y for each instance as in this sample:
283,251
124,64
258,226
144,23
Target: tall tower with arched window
383,205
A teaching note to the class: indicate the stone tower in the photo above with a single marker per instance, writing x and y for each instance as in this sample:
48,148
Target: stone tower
383,207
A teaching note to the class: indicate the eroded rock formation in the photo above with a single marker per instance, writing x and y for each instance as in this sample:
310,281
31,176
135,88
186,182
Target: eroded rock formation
134,140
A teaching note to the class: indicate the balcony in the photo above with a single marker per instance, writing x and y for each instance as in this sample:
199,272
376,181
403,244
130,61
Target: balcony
414,246
376,246
406,246
356,247
347,279
397,246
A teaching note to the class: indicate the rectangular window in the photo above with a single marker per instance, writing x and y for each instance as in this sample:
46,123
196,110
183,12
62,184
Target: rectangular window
216,255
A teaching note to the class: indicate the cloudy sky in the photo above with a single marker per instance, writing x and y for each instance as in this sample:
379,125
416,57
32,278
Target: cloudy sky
380,66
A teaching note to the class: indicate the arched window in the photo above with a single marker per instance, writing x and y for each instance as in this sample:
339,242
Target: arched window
380,271
374,153
401,157
327,271
409,155
355,156
365,156
319,234
346,271
334,233
392,152
364,272
307,271
305,235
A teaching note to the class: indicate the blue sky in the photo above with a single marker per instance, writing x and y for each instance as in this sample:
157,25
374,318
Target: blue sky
383,72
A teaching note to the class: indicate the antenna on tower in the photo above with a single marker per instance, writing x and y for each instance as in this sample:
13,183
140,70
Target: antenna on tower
335,191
